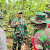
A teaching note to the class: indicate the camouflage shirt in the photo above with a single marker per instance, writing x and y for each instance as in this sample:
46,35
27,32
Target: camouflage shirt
0,23
42,37
21,28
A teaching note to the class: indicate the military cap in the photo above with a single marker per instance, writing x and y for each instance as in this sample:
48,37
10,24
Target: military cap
40,18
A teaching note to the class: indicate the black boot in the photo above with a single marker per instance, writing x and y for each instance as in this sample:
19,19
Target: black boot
19,46
14,46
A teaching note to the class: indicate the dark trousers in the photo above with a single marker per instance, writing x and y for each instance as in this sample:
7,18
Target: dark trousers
18,41
15,44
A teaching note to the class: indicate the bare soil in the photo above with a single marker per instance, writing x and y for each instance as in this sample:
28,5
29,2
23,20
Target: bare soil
10,41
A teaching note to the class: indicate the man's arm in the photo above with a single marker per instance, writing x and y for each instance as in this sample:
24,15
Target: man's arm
14,24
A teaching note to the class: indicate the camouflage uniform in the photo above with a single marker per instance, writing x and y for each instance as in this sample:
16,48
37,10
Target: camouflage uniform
0,23
19,33
42,36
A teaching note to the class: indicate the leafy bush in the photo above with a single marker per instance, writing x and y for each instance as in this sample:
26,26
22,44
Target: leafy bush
28,7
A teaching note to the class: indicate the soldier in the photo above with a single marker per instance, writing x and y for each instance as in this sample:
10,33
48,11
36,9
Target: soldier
1,17
42,35
48,14
48,17
3,45
20,26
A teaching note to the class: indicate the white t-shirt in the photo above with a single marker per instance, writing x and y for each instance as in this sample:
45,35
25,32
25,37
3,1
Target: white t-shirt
3,45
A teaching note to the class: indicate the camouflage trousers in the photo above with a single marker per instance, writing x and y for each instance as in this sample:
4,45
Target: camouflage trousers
17,40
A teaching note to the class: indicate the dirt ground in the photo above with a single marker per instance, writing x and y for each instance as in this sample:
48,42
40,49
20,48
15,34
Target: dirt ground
10,41
24,46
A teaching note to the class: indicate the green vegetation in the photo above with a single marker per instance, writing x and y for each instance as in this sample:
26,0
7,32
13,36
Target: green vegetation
29,9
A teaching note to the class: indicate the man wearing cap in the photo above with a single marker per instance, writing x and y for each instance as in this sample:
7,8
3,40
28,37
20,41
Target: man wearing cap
1,17
42,35
3,45
48,17
20,26
48,13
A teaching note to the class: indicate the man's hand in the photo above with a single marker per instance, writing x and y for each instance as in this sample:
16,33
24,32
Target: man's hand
16,23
